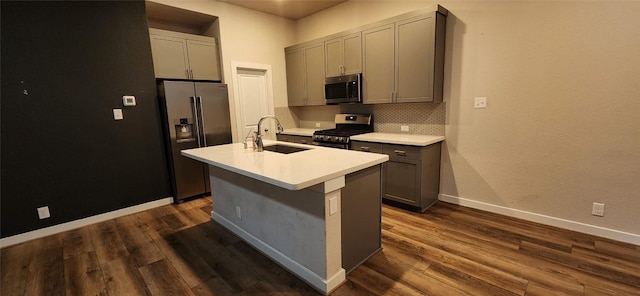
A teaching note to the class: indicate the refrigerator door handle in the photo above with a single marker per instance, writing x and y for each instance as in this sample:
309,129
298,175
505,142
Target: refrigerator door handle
201,131
196,116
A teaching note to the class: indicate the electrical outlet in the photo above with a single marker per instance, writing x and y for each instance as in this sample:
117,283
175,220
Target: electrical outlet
238,212
480,102
404,128
598,209
43,212
317,124
333,205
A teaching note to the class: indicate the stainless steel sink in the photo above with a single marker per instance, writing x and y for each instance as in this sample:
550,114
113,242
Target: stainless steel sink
285,149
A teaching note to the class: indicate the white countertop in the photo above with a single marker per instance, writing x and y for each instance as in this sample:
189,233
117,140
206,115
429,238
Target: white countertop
290,171
299,131
402,139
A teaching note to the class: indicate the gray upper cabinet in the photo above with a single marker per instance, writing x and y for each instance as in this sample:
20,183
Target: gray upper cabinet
184,56
295,76
305,74
401,60
416,60
378,64
404,61
314,61
343,55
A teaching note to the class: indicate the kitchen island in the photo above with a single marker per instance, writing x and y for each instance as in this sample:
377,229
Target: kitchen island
316,212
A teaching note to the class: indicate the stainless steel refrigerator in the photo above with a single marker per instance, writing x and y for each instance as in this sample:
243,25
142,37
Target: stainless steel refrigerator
196,114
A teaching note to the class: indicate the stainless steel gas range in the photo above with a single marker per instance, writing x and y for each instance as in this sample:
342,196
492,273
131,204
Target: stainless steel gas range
347,125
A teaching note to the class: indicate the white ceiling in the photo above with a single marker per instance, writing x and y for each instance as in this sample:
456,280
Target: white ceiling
291,9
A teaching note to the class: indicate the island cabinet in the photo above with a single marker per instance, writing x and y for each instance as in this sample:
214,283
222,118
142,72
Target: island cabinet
343,55
411,177
318,221
305,74
403,61
184,56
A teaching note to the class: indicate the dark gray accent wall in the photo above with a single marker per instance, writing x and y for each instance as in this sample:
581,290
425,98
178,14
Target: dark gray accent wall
65,66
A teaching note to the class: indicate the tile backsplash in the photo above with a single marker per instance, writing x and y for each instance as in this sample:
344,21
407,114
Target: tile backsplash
421,118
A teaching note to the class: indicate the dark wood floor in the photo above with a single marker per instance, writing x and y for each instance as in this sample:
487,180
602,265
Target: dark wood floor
448,250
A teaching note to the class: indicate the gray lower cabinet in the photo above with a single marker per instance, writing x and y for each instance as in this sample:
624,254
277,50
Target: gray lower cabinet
411,177
295,139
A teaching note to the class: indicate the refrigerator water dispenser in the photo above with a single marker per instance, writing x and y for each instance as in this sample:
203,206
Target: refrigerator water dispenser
184,130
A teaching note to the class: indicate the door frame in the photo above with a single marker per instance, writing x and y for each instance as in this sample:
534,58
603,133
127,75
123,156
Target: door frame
237,65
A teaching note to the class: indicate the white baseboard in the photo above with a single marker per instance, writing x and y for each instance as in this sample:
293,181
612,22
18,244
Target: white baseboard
27,236
622,236
323,285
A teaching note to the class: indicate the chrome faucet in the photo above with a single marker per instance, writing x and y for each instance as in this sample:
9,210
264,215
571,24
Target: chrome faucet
259,143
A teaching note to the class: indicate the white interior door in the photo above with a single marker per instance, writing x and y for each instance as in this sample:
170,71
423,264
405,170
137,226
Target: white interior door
253,99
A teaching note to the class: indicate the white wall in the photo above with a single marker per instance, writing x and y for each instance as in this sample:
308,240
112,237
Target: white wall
562,127
247,36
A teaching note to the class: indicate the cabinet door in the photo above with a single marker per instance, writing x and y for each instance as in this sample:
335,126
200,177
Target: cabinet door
401,181
414,59
303,140
352,53
169,57
295,77
203,60
333,53
285,138
314,68
343,55
378,64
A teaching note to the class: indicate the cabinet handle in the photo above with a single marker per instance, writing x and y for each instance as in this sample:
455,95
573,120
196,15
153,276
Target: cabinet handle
365,148
191,74
400,152
303,141
186,73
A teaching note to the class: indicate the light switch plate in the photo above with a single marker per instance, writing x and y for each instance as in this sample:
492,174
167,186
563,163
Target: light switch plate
117,114
480,103
404,128
44,213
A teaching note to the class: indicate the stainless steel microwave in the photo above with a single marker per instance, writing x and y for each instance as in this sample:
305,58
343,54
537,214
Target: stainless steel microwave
343,89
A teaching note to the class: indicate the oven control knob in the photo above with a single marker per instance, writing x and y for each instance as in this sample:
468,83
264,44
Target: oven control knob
341,139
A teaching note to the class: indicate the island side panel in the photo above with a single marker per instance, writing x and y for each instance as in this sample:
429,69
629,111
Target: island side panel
361,217
294,228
